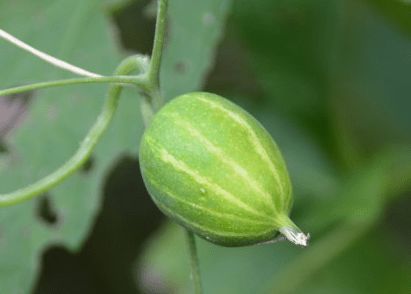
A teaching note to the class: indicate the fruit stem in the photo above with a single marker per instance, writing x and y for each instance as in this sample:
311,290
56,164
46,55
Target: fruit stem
195,265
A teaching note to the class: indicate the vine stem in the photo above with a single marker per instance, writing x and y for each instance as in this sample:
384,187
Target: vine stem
86,147
195,265
157,52
46,57
123,80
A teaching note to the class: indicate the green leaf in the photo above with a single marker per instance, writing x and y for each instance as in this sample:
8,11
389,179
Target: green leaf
114,5
289,44
363,269
58,119
371,96
396,11
360,199
56,122
195,28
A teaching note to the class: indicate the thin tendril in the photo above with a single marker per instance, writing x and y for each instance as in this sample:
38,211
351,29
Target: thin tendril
46,57
86,147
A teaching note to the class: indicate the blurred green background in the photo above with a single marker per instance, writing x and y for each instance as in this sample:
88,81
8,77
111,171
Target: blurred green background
330,80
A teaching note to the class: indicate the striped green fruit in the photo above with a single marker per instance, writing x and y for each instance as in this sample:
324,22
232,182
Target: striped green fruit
213,168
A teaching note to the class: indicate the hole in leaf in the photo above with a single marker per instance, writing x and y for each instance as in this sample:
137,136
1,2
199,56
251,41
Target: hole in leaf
181,67
66,272
106,262
13,110
135,25
4,156
3,148
45,210
88,166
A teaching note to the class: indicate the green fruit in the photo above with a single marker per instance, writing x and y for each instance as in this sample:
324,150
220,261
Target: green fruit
213,168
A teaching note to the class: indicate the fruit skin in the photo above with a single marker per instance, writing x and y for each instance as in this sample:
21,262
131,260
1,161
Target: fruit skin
214,169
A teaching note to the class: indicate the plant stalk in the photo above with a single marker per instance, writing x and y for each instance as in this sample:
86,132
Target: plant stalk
154,96
195,265
159,37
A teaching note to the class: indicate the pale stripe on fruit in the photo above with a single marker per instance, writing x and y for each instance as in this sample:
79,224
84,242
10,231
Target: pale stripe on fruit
207,230
217,152
253,139
179,165
222,216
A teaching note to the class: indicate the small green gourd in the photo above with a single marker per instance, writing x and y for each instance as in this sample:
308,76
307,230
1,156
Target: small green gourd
214,169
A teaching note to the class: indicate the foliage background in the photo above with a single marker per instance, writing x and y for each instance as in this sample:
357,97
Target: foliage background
329,79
